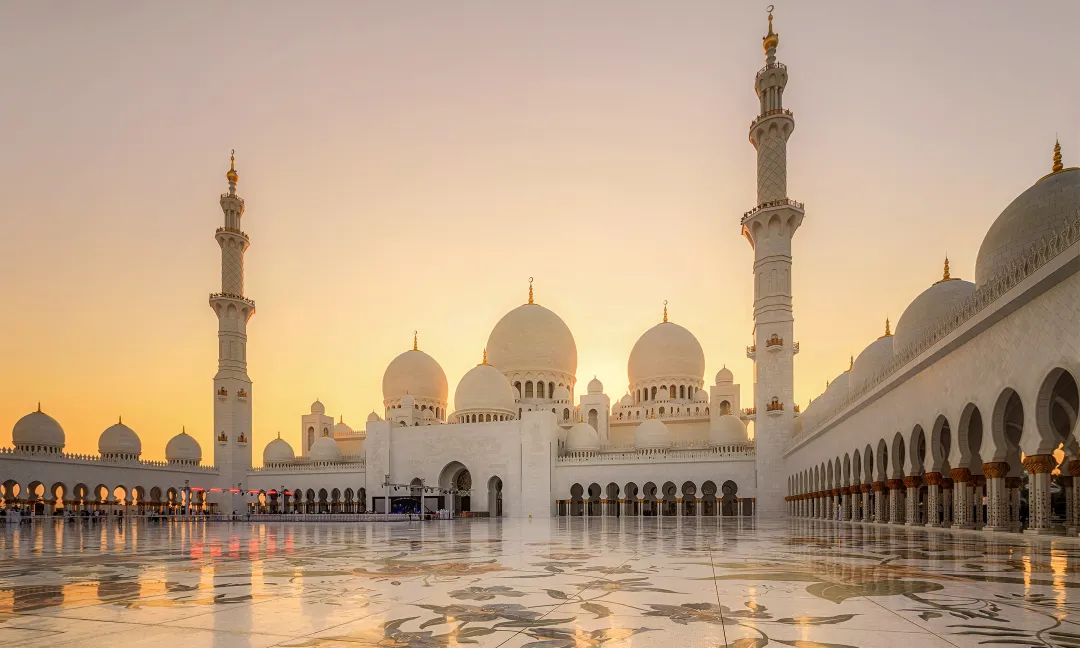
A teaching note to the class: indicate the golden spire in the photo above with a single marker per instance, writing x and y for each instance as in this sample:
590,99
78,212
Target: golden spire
39,407
183,430
279,434
665,310
888,331
1057,157
851,363
826,383
119,420
414,347
772,39
530,290
341,419
232,175
484,361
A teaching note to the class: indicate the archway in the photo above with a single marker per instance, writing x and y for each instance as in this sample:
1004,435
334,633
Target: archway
594,500
456,480
729,500
669,492
577,494
708,498
689,497
649,494
631,495
495,501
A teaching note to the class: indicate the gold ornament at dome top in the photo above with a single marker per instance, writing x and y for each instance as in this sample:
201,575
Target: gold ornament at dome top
772,39
1057,166
231,174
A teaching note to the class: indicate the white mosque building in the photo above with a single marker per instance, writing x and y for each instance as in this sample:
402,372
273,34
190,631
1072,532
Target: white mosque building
975,390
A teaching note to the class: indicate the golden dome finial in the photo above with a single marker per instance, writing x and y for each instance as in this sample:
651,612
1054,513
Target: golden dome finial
1058,166
851,362
945,276
414,347
39,407
888,331
530,290
279,434
119,420
231,175
826,383
341,418
772,39
183,430
484,361
665,310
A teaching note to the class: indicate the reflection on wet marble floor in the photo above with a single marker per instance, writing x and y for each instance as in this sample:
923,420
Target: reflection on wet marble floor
532,583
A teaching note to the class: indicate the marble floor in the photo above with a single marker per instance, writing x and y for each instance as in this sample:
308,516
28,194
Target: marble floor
560,583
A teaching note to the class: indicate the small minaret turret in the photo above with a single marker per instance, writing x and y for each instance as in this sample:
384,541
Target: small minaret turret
232,386
769,227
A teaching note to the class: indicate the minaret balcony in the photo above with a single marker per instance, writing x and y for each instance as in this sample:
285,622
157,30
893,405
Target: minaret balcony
771,113
771,66
233,230
232,297
222,394
784,203
751,351
749,414
795,350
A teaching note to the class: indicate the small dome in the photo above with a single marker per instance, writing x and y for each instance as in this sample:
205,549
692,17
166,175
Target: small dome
701,396
183,447
371,418
595,386
119,439
341,428
926,310
532,338
652,433
1039,212
484,388
407,402
324,449
667,350
317,407
37,428
627,401
725,430
724,377
561,394
427,414
279,451
414,372
834,394
873,359
582,437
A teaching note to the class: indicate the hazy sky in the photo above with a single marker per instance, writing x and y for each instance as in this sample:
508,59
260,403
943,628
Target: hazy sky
408,165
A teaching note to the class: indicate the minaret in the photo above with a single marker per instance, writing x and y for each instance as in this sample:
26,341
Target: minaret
769,227
232,387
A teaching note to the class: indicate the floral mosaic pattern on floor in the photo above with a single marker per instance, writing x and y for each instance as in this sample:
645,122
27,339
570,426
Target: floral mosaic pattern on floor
563,583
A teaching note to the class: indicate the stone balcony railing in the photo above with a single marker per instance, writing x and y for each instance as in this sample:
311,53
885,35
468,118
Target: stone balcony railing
680,453
1021,267
771,66
771,113
347,463
99,460
222,295
232,230
783,202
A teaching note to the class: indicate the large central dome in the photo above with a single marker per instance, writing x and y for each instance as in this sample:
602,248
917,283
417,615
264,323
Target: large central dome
417,374
532,338
667,350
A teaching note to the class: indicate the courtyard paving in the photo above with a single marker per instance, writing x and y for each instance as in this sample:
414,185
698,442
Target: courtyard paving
563,583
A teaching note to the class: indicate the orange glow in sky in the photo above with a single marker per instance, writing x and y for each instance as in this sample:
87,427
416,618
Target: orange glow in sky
409,165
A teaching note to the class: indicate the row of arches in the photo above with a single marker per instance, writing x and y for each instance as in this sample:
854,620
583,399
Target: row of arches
969,473
59,499
682,391
310,500
650,500
664,412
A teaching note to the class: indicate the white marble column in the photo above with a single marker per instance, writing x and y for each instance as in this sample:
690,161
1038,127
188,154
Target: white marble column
911,510
1070,505
1039,467
978,483
896,501
962,498
867,510
997,496
845,504
933,499
946,502
880,503
1012,487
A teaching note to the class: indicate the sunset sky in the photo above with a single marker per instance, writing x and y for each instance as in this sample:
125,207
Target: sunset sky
409,165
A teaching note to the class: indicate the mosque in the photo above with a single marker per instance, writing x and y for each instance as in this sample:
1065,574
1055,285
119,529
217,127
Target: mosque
971,401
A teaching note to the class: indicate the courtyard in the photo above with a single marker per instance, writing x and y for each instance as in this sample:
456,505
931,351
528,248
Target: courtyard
565,582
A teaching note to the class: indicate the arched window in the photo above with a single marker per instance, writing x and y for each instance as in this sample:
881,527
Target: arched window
528,389
519,412
566,414
540,389
517,386
551,389
310,436
594,419
652,395
682,391
661,411
673,392
637,397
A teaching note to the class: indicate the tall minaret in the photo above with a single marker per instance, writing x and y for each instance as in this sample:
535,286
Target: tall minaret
232,387
769,227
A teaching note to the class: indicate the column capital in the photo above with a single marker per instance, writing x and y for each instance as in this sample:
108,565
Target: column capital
1040,464
960,475
866,488
1014,482
933,478
1074,468
913,481
996,469
946,483
879,486
980,480
1067,481
895,484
